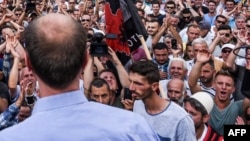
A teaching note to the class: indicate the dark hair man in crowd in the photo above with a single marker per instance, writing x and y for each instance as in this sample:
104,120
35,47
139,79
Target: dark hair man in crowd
168,119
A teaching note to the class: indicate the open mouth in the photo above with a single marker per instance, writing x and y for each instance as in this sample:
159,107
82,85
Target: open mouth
223,94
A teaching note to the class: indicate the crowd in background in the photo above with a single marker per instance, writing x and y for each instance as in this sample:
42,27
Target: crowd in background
189,87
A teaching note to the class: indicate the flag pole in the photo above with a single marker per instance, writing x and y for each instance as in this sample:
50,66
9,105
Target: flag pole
144,45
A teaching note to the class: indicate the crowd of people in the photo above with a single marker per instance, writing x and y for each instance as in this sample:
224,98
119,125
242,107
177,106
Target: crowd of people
53,87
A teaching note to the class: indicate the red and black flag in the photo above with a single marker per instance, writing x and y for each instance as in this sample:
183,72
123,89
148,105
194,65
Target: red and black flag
123,26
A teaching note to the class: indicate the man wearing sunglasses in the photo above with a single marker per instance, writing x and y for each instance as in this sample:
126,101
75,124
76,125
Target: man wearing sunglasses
226,50
170,7
223,36
86,21
219,20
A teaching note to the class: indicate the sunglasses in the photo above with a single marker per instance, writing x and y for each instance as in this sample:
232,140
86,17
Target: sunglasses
83,20
170,7
18,14
186,17
226,51
226,34
221,22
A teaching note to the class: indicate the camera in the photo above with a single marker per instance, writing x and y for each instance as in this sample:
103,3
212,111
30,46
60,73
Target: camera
98,47
174,43
30,99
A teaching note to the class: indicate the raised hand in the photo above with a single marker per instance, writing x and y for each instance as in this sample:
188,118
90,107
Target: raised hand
10,43
112,56
203,56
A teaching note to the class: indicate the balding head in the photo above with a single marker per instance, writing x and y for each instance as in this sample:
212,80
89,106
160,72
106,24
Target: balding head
56,46
176,90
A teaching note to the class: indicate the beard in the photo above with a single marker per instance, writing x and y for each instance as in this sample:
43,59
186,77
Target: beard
146,93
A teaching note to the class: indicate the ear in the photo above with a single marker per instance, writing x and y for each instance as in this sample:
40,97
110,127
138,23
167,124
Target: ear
205,118
155,86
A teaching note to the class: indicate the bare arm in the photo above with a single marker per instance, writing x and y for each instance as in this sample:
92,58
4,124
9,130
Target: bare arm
122,73
97,10
193,12
88,73
196,71
230,62
159,34
13,77
215,42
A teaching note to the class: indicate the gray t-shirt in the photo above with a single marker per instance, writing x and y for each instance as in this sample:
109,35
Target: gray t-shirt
172,124
227,116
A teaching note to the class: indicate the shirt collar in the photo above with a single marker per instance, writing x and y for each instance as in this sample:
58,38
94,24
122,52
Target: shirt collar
59,100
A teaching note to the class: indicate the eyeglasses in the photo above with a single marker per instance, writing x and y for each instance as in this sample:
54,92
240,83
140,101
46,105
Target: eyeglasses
18,14
221,22
170,7
83,20
226,51
248,25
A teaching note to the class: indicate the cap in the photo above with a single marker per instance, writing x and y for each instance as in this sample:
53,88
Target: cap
231,46
205,99
205,25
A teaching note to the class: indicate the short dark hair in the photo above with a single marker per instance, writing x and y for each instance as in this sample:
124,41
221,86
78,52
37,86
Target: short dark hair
221,16
230,1
147,69
212,1
225,27
98,82
160,46
156,2
224,72
211,63
186,11
56,60
18,9
170,2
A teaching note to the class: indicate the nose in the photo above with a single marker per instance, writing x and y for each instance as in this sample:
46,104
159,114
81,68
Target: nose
223,86
131,86
172,94
202,74
100,99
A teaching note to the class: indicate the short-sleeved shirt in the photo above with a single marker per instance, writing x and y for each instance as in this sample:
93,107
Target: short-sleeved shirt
172,124
227,116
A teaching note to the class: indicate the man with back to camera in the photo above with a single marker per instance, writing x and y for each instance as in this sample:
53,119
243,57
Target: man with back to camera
53,52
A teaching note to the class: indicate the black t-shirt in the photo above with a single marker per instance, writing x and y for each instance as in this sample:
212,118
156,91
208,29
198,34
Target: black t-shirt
4,92
160,17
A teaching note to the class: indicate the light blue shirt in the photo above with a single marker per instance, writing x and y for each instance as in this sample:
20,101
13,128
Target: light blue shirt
70,117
